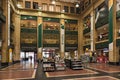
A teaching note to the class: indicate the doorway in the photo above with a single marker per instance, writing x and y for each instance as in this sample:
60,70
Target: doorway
27,56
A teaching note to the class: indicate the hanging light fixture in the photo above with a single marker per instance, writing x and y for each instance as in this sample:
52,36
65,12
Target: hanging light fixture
77,5
53,1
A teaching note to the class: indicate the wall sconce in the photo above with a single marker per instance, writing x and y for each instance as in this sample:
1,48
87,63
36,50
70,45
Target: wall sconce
40,8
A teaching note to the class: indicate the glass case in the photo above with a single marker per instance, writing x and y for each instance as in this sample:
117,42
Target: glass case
48,59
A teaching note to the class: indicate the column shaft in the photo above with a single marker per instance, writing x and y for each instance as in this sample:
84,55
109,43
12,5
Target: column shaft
17,37
80,37
62,38
5,34
113,54
39,36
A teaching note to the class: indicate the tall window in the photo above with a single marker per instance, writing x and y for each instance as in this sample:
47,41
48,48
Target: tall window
35,5
77,10
51,7
58,8
44,7
27,4
66,9
72,10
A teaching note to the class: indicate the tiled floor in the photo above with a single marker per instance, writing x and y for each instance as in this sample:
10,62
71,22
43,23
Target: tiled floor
17,74
22,70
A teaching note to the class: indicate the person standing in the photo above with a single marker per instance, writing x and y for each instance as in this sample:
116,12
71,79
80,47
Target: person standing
91,53
31,58
86,58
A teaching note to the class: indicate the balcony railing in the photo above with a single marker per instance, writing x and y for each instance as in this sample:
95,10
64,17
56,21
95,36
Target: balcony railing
103,38
87,30
51,32
101,22
102,45
51,45
87,42
29,30
71,45
71,32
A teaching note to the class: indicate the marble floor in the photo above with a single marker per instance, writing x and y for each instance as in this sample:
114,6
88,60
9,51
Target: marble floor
23,70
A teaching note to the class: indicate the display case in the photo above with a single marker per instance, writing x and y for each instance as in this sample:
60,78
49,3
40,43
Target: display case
73,64
48,66
68,63
60,65
48,59
59,62
76,64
